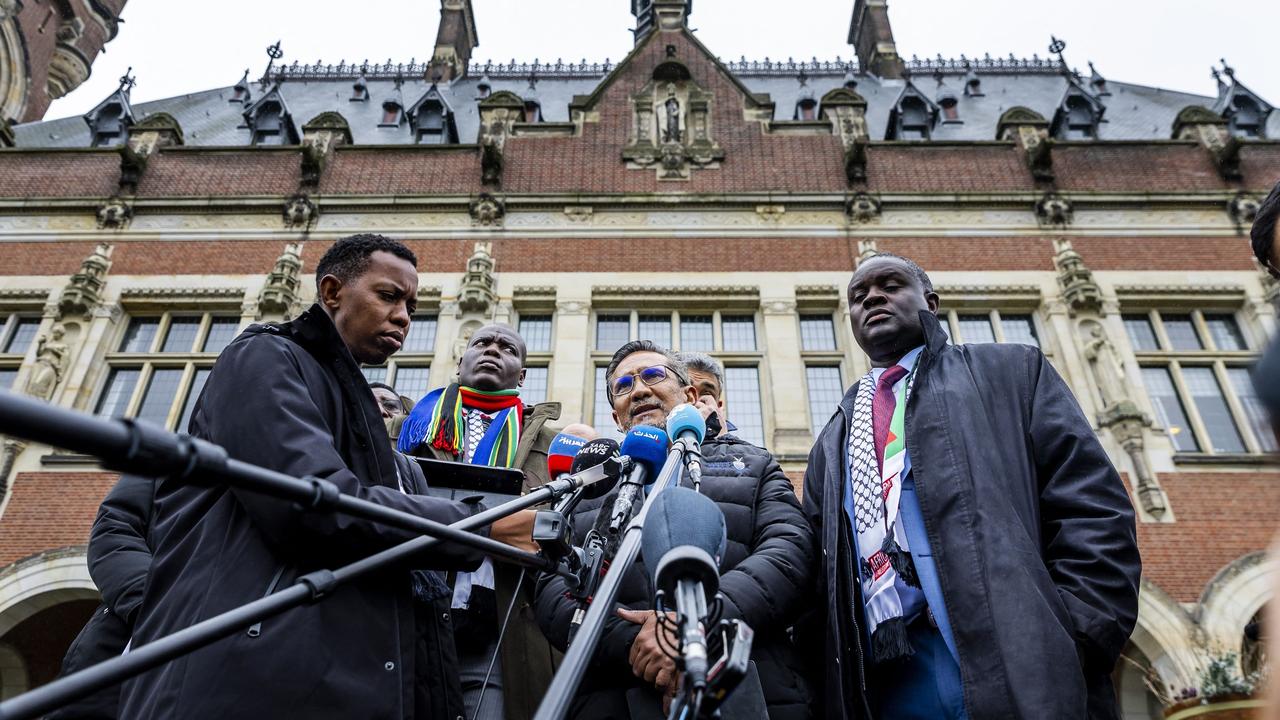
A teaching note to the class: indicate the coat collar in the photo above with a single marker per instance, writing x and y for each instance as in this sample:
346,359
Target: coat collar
935,341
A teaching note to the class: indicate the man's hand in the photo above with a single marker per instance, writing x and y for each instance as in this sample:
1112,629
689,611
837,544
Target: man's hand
648,661
516,530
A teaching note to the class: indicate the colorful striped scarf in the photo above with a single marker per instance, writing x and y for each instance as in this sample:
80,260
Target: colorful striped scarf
438,421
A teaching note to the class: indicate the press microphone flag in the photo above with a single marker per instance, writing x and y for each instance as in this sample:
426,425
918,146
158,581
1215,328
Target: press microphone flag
591,454
561,453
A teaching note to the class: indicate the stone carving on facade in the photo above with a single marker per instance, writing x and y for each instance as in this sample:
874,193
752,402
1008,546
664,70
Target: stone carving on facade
771,213
9,453
478,291
50,364
1199,123
573,307
862,208
1079,290
579,213
84,293
778,306
320,136
867,249
465,331
114,214
1120,414
1054,210
1242,209
671,126
847,112
499,114
279,297
488,211
153,132
1030,130
300,211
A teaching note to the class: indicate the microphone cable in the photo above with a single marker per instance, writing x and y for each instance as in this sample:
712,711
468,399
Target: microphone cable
497,646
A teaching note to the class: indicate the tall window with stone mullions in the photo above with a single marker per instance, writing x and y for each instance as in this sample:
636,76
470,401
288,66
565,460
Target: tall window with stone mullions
1195,368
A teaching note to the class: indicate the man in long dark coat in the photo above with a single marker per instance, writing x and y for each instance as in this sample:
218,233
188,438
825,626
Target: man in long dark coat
978,553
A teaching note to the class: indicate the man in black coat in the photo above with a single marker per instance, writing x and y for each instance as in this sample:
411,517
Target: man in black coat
764,579
978,555
291,398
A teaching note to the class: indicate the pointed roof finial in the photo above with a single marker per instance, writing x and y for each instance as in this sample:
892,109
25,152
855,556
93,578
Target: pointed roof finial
1230,71
274,53
1056,47
127,81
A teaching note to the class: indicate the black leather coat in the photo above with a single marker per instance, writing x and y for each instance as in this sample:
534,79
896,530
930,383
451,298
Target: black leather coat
1030,526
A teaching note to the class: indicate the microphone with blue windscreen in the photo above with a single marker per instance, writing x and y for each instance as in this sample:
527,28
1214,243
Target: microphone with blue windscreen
647,447
682,543
686,426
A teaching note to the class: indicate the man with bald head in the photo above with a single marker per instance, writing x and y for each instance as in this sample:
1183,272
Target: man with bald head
979,556
480,419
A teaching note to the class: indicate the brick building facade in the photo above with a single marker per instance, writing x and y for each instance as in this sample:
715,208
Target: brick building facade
672,196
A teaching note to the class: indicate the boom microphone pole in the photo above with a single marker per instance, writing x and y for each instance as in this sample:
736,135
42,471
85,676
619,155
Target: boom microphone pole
130,446
309,588
555,704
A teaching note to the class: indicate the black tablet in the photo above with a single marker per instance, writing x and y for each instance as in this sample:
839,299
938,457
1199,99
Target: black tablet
455,480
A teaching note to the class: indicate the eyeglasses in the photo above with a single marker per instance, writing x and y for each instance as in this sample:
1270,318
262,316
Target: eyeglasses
650,376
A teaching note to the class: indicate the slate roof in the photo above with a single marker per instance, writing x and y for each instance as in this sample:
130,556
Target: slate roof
1133,112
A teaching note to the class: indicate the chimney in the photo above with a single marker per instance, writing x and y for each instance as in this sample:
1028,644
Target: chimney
455,40
659,14
872,39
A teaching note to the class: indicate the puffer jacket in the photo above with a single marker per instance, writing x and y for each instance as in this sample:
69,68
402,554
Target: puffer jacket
764,579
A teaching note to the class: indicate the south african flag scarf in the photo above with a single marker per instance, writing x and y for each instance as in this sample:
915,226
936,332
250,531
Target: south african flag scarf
438,421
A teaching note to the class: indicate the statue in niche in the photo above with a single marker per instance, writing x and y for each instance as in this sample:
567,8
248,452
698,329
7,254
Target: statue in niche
463,340
50,363
1107,368
672,131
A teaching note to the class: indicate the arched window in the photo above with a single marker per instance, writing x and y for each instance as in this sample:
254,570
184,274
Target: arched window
950,109
532,111
807,109
392,112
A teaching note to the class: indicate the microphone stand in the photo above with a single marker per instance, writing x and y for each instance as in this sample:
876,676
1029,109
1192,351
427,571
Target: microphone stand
124,444
555,704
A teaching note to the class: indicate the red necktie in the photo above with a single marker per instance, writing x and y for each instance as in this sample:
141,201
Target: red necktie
882,407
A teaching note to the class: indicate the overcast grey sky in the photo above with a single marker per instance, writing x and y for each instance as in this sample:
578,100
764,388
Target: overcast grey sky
179,47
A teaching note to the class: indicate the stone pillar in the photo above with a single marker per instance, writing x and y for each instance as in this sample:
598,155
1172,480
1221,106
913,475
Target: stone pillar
572,371
792,437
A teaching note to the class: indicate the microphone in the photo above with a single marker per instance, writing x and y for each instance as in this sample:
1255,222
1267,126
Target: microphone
686,426
591,454
647,448
561,454
682,543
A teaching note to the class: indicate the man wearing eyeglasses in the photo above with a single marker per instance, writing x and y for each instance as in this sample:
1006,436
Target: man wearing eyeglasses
764,572
1264,235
